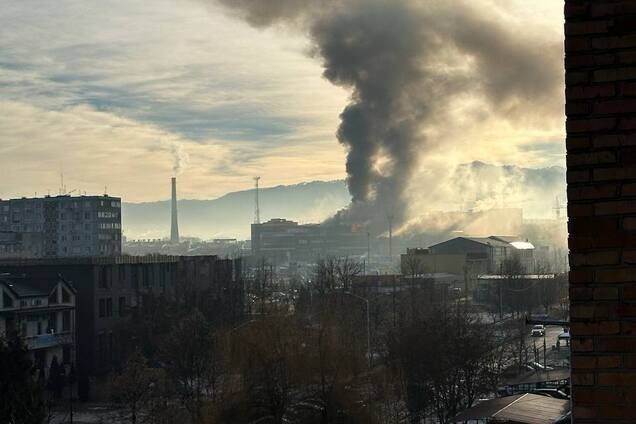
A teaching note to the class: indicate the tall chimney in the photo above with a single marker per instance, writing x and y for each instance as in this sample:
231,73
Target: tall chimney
174,230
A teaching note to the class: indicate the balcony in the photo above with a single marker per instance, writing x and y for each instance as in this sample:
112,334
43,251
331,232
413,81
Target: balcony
44,341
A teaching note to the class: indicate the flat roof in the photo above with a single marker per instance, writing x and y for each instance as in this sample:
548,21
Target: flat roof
92,260
540,377
63,196
517,277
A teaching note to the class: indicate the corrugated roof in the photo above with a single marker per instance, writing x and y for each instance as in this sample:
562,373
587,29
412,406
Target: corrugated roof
524,409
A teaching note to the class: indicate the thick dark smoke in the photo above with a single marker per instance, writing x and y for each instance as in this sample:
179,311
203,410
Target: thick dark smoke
406,62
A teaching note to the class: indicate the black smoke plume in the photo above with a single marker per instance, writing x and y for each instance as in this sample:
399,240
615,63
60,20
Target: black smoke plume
406,62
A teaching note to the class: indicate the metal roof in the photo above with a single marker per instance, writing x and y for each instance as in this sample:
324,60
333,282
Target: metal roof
524,409
522,245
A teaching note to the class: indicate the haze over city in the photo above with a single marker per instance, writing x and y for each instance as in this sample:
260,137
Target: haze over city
317,211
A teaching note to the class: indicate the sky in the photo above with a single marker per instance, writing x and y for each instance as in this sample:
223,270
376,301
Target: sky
120,95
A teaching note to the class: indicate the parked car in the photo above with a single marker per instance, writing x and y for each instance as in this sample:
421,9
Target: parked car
564,338
536,366
538,331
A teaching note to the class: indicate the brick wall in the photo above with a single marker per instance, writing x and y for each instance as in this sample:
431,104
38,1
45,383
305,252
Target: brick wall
601,144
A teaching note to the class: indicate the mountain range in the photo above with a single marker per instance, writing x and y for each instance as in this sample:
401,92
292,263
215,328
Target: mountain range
230,216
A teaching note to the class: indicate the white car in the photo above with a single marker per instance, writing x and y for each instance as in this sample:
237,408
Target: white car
538,331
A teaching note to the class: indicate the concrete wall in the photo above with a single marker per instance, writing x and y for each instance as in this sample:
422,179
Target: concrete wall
601,157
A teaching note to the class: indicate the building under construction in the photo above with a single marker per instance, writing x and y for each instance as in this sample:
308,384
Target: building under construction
282,241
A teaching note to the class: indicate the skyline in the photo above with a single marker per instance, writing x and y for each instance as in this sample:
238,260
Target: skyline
187,80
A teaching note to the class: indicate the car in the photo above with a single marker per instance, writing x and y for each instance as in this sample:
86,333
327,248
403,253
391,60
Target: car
536,366
538,331
564,338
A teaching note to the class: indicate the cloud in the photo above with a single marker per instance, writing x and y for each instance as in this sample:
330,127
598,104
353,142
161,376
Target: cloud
106,99
134,159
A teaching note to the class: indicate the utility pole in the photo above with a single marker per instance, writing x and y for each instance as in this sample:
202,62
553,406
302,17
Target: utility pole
369,248
500,301
257,210
544,353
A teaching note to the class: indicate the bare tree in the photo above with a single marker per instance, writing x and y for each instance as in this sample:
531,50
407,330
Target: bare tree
325,275
192,357
346,270
133,387
446,359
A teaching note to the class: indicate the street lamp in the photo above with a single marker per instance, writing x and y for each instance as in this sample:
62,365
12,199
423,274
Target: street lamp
366,301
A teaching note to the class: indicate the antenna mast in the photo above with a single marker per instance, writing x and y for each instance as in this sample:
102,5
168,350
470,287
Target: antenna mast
257,210
390,218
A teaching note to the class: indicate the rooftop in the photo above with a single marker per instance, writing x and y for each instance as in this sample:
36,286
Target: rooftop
62,197
27,286
523,409
91,260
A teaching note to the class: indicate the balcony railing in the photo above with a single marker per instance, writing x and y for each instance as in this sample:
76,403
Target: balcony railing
43,341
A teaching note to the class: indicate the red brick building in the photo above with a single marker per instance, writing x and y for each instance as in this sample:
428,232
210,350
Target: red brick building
600,63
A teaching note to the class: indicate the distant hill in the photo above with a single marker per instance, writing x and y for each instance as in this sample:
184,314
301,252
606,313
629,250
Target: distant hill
232,214
480,185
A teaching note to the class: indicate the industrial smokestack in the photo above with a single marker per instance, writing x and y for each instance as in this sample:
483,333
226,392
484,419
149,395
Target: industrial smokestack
174,230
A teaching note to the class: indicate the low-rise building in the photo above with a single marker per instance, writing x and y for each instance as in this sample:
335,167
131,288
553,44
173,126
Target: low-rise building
488,252
42,310
109,288
282,241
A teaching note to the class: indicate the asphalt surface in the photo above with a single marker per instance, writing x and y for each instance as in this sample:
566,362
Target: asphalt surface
554,357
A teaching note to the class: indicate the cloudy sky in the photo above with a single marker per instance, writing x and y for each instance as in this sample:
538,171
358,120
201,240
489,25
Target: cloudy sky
124,93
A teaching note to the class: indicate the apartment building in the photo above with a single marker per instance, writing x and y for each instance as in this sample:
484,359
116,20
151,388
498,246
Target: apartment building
60,226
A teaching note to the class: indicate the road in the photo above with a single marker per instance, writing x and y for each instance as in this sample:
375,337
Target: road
554,357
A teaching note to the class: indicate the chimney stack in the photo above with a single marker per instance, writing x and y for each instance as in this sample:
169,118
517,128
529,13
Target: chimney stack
174,230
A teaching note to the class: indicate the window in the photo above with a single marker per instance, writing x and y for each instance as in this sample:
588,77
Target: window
103,214
121,269
39,327
102,278
109,307
102,308
122,306
105,307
